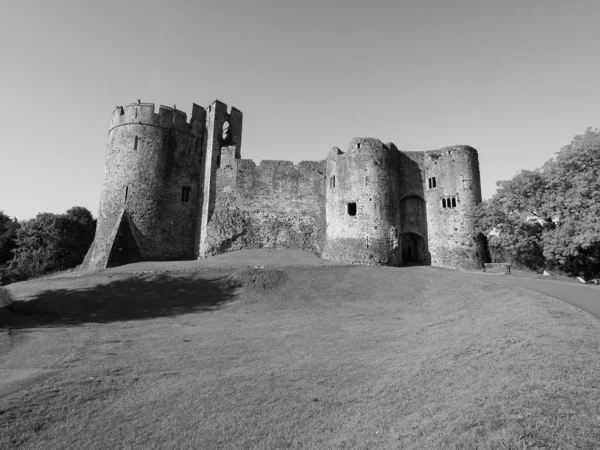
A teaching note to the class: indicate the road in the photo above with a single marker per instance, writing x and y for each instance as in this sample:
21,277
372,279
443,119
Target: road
584,297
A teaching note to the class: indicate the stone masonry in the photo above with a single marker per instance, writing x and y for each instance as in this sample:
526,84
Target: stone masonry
179,190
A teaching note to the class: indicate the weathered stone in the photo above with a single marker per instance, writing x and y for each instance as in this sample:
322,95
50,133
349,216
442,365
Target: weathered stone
177,190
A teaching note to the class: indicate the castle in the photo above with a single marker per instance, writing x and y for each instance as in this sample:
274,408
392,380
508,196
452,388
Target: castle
175,189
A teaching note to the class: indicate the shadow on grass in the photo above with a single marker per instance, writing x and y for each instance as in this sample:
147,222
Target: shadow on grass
132,298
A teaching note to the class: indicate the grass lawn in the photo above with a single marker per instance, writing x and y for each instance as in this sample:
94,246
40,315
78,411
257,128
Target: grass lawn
311,357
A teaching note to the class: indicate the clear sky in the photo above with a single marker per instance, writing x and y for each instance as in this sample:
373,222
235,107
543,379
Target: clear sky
514,79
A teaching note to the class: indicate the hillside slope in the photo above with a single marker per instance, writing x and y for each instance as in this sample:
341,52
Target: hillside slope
317,356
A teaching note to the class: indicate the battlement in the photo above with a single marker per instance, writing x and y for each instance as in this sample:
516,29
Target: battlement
220,106
453,150
167,117
364,144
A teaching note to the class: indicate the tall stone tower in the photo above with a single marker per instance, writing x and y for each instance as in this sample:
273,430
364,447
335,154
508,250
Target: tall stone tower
224,130
362,210
452,189
158,181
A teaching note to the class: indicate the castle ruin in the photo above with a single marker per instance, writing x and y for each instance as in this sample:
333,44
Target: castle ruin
175,189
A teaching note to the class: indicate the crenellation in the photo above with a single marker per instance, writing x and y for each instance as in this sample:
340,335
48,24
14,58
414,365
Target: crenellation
175,189
167,117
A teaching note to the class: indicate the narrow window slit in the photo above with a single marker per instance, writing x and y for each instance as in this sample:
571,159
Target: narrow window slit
185,194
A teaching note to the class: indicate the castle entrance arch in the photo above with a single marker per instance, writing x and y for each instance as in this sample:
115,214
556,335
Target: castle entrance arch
413,248
413,215
413,226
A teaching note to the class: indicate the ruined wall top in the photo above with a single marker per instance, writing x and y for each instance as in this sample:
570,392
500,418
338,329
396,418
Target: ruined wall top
363,144
167,117
458,149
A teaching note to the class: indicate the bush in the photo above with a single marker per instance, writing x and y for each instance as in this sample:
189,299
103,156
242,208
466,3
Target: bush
50,243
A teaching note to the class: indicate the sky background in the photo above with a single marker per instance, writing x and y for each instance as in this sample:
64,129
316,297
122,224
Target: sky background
517,80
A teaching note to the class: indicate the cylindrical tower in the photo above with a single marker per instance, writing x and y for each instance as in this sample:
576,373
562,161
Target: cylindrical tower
151,187
452,189
362,210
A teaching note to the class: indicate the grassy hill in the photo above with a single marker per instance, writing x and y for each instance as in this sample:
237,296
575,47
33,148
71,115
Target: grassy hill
312,355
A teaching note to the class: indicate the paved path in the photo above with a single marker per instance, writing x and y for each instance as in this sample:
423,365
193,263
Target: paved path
584,297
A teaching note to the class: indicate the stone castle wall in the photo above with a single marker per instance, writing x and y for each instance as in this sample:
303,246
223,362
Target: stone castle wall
175,189
150,158
363,222
413,211
449,204
221,129
275,204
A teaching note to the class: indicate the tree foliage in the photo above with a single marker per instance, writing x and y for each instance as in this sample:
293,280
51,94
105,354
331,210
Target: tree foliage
8,234
51,242
550,217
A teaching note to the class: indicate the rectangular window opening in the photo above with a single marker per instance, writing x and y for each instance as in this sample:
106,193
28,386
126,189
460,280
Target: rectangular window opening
185,193
443,203
454,202
433,181
332,181
352,209
135,143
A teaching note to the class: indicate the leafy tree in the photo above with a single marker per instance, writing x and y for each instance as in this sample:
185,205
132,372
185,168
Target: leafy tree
8,242
80,215
551,216
573,201
519,232
8,232
52,242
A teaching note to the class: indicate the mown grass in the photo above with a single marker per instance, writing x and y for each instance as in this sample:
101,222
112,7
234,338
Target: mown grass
306,357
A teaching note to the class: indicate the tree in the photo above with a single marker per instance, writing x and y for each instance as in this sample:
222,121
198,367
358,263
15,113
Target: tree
80,215
573,201
513,213
8,242
551,216
8,232
52,242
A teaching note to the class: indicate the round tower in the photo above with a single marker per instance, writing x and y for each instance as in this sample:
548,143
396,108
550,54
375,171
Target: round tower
362,211
452,189
150,192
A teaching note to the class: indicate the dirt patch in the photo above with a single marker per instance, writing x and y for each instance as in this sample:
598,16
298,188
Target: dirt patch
259,279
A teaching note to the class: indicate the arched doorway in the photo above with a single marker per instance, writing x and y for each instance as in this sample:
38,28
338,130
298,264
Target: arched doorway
413,248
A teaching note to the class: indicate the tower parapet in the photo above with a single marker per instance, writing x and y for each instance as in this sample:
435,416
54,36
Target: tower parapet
167,117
